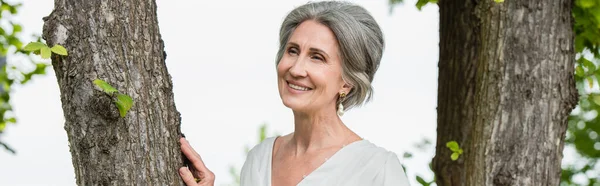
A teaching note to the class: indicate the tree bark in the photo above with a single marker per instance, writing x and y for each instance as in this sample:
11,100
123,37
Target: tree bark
118,42
506,88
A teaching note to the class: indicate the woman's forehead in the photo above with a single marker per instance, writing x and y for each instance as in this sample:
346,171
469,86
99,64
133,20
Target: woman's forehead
311,34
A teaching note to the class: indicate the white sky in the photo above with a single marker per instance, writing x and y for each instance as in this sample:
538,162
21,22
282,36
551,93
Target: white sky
221,57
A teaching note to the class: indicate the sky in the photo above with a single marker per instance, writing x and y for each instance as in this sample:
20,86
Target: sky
221,58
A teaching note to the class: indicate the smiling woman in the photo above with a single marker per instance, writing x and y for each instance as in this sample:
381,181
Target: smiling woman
329,53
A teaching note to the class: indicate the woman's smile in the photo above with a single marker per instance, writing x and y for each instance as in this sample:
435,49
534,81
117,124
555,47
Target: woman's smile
297,87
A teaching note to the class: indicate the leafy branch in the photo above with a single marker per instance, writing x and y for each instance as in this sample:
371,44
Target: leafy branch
123,101
456,150
43,50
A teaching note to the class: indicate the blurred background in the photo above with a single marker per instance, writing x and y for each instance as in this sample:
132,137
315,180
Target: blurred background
221,58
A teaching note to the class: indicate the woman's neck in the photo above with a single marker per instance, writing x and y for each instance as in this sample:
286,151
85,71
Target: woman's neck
318,130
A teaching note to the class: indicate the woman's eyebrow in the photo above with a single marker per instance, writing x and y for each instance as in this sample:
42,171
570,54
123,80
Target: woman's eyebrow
310,49
319,51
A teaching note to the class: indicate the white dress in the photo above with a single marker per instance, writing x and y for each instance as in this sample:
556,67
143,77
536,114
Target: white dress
360,163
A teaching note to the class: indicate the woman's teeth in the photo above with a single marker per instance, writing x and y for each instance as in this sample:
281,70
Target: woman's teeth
296,87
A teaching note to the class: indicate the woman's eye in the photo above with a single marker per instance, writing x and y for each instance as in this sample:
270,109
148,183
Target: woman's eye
316,57
292,51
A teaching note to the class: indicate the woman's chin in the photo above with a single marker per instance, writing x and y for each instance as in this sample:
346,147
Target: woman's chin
294,105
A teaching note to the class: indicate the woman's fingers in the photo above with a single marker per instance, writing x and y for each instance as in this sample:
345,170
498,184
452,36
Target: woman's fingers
197,169
187,176
207,178
192,155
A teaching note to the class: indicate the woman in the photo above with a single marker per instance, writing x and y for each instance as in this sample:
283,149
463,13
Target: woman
328,55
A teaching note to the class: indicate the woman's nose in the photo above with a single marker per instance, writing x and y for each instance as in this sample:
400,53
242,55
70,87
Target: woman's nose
298,69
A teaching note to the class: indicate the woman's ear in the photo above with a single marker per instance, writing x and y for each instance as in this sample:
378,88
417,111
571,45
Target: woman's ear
346,87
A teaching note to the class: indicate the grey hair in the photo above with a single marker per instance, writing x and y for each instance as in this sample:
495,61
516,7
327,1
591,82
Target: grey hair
359,38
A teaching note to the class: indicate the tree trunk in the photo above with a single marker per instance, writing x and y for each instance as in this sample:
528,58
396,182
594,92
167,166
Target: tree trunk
506,88
118,42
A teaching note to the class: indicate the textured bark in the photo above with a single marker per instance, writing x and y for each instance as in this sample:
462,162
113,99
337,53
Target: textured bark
506,88
118,42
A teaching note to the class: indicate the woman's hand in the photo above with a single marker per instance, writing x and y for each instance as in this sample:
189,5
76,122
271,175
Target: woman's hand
197,174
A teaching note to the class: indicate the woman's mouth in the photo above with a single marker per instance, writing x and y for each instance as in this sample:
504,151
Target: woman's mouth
298,87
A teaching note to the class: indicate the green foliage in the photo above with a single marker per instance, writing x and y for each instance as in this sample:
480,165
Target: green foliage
60,50
570,171
105,86
40,68
584,123
587,26
422,181
421,3
44,50
456,150
123,102
34,46
394,2
423,146
499,1
262,133
11,45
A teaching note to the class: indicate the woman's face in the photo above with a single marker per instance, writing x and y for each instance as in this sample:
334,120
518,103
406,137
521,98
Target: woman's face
310,71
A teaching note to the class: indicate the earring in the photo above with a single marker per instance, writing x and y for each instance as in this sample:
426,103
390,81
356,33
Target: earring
340,109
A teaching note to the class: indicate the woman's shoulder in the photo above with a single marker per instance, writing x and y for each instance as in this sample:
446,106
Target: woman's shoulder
373,149
374,156
256,167
262,149
259,156
386,165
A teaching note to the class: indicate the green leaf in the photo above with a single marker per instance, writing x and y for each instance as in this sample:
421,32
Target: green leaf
40,68
14,41
596,99
499,1
11,120
579,71
460,151
17,28
2,126
46,53
105,86
5,7
453,146
13,10
454,156
262,133
421,3
124,103
421,181
579,44
407,155
590,81
587,64
33,46
586,3
60,50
